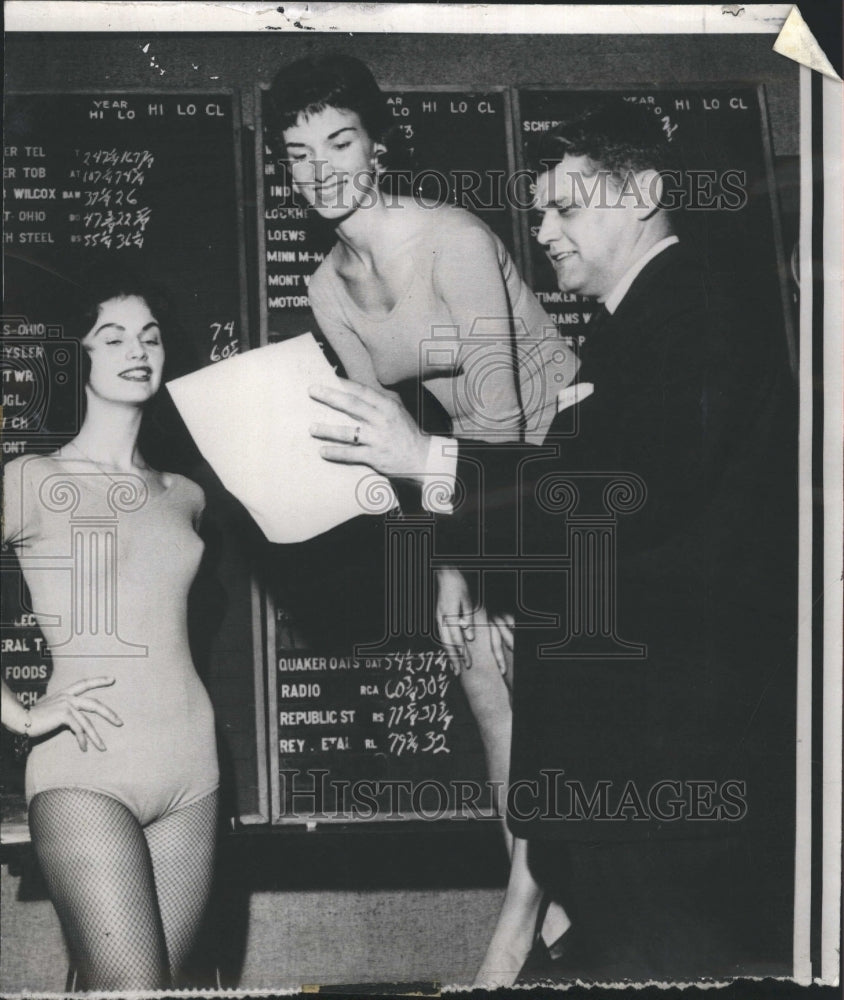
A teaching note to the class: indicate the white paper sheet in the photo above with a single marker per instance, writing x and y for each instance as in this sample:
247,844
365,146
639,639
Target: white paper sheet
249,416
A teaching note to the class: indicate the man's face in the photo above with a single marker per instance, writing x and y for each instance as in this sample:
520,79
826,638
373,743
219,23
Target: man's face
588,231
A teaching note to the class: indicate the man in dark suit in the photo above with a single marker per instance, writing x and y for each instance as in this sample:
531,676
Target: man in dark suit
653,706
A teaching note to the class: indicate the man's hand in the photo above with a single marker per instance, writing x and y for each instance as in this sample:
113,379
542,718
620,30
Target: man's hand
385,436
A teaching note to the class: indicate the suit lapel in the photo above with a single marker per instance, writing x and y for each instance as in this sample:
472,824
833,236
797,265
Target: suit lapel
613,341
649,288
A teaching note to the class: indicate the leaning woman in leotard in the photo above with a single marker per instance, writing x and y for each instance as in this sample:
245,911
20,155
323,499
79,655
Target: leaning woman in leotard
401,273
122,777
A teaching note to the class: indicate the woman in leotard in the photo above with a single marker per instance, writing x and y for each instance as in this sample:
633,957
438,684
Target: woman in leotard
411,291
121,780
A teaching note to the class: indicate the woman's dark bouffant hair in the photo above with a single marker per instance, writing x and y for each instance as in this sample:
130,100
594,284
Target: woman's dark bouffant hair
162,438
108,281
335,80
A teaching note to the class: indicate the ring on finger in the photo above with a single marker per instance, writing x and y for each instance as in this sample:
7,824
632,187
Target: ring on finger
356,438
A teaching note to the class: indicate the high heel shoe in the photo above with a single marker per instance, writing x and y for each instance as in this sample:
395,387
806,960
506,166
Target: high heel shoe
560,948
556,945
544,963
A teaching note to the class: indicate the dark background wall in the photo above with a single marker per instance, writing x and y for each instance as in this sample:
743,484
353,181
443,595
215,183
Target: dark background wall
45,62
200,61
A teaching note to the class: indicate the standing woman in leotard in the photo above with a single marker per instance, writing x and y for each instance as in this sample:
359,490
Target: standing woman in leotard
121,780
401,273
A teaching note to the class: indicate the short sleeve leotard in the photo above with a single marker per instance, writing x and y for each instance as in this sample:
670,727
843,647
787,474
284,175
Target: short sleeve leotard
418,338
109,564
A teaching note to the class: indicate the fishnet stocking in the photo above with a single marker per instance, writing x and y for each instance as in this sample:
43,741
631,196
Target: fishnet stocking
181,846
121,890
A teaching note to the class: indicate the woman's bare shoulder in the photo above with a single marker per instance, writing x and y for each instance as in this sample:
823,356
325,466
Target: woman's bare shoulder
451,219
23,480
15,474
423,217
459,239
29,469
191,489
454,232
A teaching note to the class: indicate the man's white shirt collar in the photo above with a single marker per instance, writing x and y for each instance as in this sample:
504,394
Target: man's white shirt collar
613,300
574,394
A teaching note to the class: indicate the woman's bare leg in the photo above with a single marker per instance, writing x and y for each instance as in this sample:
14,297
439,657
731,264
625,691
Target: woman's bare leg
512,939
489,700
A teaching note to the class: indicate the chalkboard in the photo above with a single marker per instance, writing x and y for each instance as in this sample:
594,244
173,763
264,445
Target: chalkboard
367,719
392,721
353,693
153,180
728,212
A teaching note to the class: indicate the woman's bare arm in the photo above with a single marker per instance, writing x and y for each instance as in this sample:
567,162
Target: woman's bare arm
468,280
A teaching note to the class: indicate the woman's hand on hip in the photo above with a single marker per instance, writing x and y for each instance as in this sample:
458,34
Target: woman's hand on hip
74,708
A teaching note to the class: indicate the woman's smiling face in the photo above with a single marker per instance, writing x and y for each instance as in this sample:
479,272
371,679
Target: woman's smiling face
332,160
126,351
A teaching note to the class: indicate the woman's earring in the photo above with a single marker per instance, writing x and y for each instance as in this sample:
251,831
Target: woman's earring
377,165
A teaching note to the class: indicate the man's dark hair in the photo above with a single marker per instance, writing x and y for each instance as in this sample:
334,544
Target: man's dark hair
334,80
617,136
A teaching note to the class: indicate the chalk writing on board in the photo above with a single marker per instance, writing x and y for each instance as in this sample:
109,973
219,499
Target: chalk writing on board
96,201
395,704
118,216
225,341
